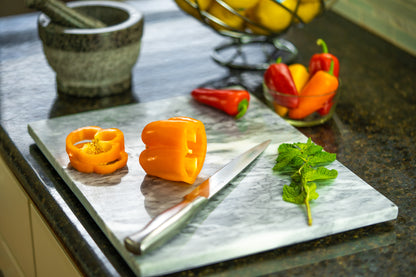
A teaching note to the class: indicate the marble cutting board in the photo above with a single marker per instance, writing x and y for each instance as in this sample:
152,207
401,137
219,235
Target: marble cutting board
247,217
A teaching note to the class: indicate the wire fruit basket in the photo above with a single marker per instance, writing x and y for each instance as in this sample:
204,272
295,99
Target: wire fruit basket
254,27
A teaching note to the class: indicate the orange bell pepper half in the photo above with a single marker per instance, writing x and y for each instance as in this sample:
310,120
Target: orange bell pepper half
93,149
175,149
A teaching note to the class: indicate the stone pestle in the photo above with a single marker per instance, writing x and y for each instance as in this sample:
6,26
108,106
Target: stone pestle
63,15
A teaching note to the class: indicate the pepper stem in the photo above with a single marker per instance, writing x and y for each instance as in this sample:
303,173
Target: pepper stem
322,43
279,60
331,68
242,108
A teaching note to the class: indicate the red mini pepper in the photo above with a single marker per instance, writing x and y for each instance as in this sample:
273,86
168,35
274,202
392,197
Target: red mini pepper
232,101
278,78
322,61
326,108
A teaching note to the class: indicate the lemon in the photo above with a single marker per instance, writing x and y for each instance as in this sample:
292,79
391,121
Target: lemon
232,20
191,9
241,5
271,15
308,10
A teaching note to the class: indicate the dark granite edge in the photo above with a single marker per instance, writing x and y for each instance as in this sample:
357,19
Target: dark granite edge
72,233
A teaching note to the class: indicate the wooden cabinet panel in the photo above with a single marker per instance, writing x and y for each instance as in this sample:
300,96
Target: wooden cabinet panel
27,246
50,258
15,229
9,267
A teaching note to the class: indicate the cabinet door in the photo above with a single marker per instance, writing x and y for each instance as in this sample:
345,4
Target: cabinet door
15,229
50,258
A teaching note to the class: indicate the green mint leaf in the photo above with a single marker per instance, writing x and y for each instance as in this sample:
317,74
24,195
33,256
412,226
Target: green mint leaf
312,149
304,163
320,173
285,158
322,158
284,147
311,189
293,193
302,146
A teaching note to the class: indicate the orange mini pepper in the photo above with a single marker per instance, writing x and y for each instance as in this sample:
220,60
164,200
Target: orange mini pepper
175,149
320,88
93,149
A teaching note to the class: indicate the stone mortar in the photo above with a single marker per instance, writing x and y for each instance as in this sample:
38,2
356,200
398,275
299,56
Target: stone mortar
94,62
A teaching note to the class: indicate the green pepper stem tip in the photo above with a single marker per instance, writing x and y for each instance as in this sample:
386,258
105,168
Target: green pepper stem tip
322,43
242,108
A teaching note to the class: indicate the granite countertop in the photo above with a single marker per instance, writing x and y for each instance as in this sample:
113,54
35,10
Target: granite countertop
372,132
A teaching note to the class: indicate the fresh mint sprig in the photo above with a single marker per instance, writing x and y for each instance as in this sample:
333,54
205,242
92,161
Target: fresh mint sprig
305,164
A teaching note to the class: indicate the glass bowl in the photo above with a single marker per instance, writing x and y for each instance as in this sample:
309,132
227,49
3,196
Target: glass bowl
310,111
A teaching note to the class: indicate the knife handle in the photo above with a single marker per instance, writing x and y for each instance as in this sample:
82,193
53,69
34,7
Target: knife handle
164,226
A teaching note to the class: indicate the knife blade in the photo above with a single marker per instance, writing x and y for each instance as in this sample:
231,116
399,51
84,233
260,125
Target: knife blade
165,225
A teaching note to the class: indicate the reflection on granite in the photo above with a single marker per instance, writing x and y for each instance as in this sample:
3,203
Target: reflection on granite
293,260
66,104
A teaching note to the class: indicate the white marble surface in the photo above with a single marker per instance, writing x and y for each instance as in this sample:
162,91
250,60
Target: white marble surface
247,217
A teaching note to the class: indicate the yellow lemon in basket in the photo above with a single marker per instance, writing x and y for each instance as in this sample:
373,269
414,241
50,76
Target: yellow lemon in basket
241,5
190,6
308,10
228,18
271,15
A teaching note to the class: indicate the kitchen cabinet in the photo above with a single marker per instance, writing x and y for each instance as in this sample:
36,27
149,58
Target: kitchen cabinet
15,229
50,258
27,246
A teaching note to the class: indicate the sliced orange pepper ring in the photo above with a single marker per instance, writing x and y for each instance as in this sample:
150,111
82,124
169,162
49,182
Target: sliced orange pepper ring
175,149
93,149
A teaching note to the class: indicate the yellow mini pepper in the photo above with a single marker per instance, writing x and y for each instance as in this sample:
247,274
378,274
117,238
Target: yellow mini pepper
299,74
175,149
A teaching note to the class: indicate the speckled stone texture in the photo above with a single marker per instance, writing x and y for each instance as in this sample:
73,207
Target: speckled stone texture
94,62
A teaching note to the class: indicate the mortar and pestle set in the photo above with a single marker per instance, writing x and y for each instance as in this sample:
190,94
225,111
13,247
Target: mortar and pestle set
91,45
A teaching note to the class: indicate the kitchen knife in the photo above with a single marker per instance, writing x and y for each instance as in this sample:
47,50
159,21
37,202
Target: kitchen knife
165,225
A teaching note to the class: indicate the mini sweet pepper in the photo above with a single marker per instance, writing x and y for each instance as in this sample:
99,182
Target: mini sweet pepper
279,79
175,149
299,74
232,101
320,89
322,61
93,149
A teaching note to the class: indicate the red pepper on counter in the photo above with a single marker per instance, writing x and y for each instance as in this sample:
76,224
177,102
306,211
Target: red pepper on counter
232,101
279,78
322,61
